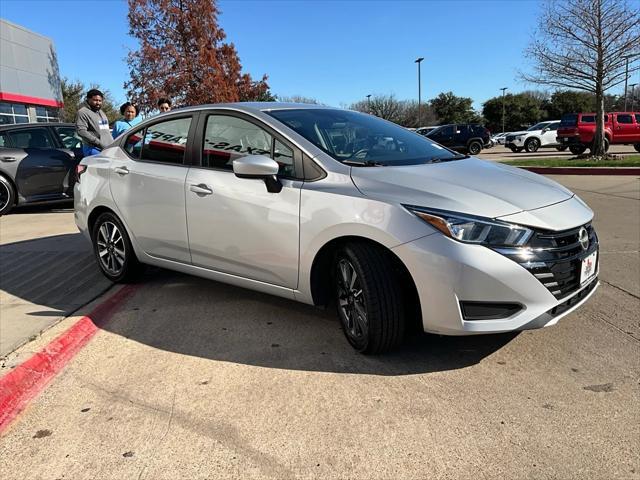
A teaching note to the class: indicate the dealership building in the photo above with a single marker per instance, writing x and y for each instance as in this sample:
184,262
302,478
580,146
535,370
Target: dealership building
30,87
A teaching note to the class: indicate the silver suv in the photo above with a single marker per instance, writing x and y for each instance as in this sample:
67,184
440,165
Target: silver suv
323,205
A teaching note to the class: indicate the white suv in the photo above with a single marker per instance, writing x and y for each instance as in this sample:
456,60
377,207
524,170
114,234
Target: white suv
542,134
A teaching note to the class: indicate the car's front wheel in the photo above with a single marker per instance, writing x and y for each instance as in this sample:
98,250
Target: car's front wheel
532,145
475,147
577,149
113,250
561,149
369,298
7,196
516,149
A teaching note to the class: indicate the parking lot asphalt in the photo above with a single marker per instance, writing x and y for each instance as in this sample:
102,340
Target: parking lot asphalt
196,379
501,153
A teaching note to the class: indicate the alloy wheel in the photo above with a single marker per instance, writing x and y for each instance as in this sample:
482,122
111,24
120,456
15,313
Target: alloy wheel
111,248
351,301
5,196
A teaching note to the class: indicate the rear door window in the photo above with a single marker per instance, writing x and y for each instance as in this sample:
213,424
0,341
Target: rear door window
31,138
588,119
625,118
166,142
569,120
638,118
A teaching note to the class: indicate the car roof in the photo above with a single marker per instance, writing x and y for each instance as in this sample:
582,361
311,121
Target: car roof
17,126
254,107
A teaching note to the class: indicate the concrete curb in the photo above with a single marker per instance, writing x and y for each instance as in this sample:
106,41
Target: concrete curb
584,170
27,380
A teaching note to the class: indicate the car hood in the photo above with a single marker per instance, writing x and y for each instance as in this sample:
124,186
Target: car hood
470,186
525,132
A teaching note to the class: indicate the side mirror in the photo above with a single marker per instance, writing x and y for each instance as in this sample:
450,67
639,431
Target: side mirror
259,167
545,130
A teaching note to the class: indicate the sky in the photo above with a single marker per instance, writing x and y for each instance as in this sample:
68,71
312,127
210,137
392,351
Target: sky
334,51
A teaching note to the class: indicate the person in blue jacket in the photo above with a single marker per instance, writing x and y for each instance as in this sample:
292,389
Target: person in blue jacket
130,118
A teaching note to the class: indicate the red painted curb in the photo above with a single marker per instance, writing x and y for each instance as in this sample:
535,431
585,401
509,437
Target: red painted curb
584,170
27,380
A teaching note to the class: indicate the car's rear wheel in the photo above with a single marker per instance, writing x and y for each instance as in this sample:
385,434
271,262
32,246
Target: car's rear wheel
606,145
637,147
532,145
577,149
561,149
113,250
7,196
369,298
475,147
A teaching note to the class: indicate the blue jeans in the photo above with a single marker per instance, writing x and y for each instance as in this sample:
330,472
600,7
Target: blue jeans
87,150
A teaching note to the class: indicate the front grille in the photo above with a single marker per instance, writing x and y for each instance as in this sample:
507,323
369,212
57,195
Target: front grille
555,258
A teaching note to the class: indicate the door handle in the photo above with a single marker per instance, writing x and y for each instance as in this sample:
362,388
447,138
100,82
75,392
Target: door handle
201,189
8,159
121,170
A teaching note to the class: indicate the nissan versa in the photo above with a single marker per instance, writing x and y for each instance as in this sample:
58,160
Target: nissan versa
323,205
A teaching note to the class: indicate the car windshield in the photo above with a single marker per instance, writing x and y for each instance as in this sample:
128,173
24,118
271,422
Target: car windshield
569,120
538,126
360,139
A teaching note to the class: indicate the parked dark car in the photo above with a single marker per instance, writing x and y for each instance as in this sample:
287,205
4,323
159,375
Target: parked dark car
469,138
37,163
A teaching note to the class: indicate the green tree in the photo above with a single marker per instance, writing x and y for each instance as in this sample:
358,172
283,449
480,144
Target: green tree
450,108
73,95
520,111
569,101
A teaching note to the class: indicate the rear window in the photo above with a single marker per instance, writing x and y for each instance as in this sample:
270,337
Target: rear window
588,119
569,120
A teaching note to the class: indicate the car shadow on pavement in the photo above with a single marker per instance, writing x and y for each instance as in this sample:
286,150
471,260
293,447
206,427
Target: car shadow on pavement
206,319
60,206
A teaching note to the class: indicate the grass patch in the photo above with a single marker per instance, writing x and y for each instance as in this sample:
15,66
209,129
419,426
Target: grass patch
628,161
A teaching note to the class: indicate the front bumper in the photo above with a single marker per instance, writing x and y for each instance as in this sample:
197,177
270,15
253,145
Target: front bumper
514,142
447,272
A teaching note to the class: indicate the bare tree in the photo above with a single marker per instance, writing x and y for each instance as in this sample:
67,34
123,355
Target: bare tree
298,99
585,44
383,106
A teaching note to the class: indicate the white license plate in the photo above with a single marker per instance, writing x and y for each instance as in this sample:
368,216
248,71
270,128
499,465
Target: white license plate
589,267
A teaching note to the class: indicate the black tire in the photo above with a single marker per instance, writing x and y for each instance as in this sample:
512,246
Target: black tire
379,298
7,196
474,147
577,149
532,145
119,264
637,147
561,149
516,149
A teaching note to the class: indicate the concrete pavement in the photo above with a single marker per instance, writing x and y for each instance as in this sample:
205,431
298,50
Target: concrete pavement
47,271
196,379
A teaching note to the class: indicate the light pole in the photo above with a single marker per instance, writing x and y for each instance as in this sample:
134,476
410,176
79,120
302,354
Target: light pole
419,61
503,89
369,103
633,96
626,79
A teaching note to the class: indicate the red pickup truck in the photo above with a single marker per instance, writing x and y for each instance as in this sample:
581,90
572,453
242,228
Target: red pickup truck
577,130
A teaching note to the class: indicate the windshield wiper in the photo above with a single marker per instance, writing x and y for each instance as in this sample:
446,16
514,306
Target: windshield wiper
365,163
449,159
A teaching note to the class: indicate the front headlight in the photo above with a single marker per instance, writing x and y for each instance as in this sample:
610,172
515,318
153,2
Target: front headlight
519,137
471,229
